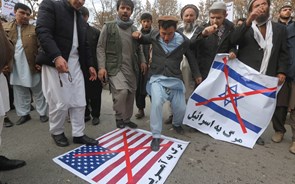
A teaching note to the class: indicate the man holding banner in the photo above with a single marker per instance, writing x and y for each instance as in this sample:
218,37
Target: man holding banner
262,43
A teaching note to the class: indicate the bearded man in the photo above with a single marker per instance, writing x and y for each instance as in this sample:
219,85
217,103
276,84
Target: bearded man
263,46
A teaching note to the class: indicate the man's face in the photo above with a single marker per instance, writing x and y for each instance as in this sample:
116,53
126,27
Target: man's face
22,16
124,12
264,7
146,24
77,4
217,18
286,12
167,34
189,17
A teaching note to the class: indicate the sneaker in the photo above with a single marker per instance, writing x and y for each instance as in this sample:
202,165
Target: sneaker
140,114
178,129
277,137
292,148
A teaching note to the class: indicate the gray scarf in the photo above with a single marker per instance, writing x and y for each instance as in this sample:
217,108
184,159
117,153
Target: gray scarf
124,24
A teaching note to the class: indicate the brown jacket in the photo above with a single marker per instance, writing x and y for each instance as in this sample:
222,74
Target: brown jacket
29,40
6,49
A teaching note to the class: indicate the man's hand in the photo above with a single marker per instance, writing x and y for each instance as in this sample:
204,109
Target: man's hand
102,75
198,80
256,12
93,74
143,68
61,65
38,67
6,69
210,30
282,78
136,35
232,55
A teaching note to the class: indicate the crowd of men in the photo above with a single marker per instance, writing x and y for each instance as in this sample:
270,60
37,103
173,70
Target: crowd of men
63,62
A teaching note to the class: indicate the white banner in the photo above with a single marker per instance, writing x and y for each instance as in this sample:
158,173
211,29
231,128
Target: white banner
230,11
7,7
234,104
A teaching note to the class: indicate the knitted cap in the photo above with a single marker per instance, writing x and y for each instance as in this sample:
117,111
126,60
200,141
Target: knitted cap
187,7
286,4
218,6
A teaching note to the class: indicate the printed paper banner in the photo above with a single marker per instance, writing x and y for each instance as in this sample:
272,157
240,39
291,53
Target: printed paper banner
235,103
124,156
7,7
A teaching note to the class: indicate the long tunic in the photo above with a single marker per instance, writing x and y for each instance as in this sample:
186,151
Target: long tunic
21,74
126,77
71,93
4,96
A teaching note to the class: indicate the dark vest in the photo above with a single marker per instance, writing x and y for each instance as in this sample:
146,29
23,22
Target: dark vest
114,49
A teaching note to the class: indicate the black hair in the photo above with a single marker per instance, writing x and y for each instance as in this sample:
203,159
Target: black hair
22,6
166,24
146,16
84,11
125,2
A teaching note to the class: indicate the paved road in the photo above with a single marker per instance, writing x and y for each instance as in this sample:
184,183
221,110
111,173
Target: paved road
205,161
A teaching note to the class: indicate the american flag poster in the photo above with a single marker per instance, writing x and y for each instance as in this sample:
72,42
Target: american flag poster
124,156
234,103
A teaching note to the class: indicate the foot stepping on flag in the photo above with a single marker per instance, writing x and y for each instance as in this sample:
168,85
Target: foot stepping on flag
124,156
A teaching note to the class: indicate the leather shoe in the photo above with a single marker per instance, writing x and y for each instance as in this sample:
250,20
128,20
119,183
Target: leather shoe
7,122
120,124
44,118
277,137
60,140
85,140
87,118
8,164
130,124
23,119
169,120
155,145
178,129
95,121
260,141
140,114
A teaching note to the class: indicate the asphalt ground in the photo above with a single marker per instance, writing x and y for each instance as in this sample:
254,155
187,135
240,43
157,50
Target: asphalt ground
205,160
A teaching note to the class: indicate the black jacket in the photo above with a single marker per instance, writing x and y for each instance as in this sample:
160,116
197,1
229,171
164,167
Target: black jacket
169,64
55,32
251,54
207,47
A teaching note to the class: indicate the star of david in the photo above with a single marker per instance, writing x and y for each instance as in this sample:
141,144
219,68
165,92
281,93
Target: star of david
234,90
